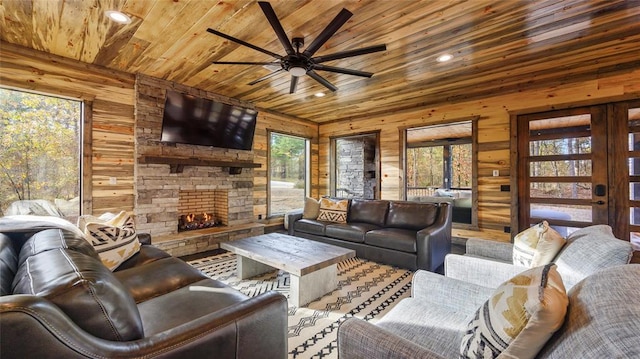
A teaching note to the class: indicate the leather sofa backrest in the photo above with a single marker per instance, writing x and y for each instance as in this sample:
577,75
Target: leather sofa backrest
79,284
8,264
368,211
49,239
411,215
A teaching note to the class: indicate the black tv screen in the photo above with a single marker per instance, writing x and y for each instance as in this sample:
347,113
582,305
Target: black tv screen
196,121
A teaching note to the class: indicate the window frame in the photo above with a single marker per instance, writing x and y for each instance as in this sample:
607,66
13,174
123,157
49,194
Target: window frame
307,171
474,160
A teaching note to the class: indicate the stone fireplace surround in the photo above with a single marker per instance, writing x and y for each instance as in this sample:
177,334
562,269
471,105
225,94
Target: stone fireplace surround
157,197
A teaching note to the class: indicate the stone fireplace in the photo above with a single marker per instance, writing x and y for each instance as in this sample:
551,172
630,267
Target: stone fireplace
203,183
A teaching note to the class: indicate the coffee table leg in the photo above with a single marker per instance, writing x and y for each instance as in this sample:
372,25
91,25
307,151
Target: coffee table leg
312,286
248,268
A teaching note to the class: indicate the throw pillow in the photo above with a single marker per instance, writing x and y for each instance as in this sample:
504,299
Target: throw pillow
537,245
311,208
333,210
519,318
113,236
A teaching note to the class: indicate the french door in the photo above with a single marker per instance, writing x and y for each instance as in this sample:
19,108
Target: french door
579,167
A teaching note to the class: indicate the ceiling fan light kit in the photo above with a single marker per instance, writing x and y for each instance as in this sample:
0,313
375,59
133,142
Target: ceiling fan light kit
303,63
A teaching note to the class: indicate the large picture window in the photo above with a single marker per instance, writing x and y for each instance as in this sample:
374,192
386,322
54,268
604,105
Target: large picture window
440,167
288,172
40,152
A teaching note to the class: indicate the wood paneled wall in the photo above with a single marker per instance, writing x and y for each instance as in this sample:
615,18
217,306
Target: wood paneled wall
110,94
494,206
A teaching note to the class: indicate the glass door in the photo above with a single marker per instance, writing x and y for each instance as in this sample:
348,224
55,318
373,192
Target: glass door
580,167
563,169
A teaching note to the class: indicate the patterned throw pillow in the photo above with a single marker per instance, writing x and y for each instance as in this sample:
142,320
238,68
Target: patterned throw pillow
537,245
519,318
333,210
113,237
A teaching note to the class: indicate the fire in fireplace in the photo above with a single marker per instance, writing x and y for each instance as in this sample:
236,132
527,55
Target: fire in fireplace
192,221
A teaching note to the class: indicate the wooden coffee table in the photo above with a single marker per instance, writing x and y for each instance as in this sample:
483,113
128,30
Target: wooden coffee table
312,265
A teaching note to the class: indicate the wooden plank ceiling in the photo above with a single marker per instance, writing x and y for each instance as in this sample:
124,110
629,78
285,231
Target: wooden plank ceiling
498,46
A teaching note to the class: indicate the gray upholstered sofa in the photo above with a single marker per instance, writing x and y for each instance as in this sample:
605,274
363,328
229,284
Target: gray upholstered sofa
405,234
587,250
603,320
58,300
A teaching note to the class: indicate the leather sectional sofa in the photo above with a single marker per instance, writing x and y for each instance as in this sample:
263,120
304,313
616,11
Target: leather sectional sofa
405,234
59,301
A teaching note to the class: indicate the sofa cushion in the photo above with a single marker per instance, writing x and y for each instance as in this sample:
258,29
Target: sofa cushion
411,215
603,319
519,318
398,239
536,245
332,210
49,239
8,264
589,250
368,211
352,232
114,238
310,226
84,289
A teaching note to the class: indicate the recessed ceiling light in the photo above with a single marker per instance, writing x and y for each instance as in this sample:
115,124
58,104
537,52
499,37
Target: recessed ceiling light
319,94
445,57
118,16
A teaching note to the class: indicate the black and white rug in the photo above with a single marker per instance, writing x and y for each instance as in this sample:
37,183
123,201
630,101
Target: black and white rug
366,290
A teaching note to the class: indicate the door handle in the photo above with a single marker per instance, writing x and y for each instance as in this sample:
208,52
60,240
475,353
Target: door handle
598,202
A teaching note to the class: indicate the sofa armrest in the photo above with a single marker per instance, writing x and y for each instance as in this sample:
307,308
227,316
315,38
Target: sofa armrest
448,292
481,271
292,217
434,242
359,339
490,249
144,238
256,325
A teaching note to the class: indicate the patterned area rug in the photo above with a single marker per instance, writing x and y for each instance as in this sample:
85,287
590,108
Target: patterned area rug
366,290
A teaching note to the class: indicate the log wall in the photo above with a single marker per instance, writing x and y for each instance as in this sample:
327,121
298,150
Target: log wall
494,206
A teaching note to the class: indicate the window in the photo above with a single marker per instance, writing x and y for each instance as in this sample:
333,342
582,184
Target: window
288,172
40,141
440,166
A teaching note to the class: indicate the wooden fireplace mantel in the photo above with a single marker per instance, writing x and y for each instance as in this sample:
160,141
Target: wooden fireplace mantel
176,164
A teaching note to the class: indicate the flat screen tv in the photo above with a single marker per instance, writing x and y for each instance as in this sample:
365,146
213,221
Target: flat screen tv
196,121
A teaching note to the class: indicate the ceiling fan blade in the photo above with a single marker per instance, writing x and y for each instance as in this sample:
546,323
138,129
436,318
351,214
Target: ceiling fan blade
244,63
349,53
328,31
341,70
244,43
294,84
266,77
277,27
322,80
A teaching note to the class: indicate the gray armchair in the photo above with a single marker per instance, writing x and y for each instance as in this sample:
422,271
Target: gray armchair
599,323
588,250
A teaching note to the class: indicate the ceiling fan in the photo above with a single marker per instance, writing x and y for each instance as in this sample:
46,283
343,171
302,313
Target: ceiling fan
300,63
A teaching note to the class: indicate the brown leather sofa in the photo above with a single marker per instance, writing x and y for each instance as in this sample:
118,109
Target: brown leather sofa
59,301
406,234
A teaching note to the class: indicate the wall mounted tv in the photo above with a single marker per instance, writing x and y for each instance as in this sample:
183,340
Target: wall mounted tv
196,121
